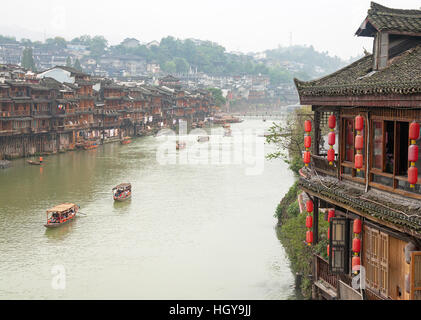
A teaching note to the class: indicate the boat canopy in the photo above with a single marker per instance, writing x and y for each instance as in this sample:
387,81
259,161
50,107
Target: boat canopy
123,186
62,207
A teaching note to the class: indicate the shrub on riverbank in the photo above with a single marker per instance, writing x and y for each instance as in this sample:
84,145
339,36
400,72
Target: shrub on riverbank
288,138
291,196
292,233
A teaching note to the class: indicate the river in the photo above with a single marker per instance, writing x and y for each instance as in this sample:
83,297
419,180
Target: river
191,231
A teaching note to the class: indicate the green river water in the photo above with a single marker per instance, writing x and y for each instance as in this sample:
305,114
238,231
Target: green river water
191,231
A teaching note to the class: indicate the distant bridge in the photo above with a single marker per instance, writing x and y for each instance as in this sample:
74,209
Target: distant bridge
267,114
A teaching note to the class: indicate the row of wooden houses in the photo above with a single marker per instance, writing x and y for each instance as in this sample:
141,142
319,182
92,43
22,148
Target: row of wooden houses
369,188
62,107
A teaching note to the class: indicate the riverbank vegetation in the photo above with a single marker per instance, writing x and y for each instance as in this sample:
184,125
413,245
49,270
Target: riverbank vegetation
289,141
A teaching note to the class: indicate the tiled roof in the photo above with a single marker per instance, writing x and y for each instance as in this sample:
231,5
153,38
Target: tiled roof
387,19
403,76
395,209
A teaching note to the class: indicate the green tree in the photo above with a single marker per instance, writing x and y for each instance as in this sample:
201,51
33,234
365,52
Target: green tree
27,59
77,65
217,96
84,40
170,67
68,62
288,139
6,39
181,65
57,41
97,46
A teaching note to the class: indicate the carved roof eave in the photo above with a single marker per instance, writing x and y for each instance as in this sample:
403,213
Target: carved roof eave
373,212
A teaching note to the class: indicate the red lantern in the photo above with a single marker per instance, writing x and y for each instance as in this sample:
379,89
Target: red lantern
328,249
309,222
356,245
359,123
307,157
309,237
331,155
359,142
330,214
356,263
332,122
331,138
307,142
358,161
309,206
414,131
357,226
307,126
413,153
328,233
412,175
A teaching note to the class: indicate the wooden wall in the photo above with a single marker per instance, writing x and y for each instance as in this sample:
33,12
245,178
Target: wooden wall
28,145
398,268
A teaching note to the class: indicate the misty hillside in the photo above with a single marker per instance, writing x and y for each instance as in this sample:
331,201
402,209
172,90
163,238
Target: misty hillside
174,56
304,61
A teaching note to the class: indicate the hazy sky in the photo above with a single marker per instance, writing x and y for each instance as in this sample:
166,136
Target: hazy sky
238,25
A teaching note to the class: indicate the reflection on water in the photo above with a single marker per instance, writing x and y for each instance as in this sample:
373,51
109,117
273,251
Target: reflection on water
61,233
189,231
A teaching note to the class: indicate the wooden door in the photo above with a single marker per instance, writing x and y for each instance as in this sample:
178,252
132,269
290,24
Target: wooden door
415,276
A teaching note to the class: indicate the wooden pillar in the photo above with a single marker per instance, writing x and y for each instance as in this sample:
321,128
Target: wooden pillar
341,135
316,220
316,144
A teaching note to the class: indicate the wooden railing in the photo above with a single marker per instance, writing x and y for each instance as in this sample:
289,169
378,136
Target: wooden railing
321,165
322,272
9,114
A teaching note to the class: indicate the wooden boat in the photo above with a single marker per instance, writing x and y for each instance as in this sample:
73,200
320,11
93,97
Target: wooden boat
126,140
61,214
180,145
122,192
89,145
34,163
203,139
5,164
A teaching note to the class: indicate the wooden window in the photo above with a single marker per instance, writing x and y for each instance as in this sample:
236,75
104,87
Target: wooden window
348,151
376,260
377,145
389,146
339,245
389,156
416,275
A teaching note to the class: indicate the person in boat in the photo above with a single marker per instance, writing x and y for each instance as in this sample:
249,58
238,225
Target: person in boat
54,217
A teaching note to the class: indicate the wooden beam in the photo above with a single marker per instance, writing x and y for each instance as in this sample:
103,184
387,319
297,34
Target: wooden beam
316,144
367,216
316,220
391,100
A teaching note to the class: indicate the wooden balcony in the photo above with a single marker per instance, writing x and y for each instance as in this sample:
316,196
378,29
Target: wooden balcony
329,284
40,130
322,272
13,114
322,166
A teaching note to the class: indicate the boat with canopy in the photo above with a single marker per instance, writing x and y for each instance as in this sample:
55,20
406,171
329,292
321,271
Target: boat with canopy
122,192
61,214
